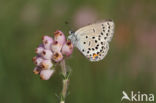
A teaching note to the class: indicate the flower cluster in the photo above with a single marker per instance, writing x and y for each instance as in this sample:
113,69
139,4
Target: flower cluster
50,52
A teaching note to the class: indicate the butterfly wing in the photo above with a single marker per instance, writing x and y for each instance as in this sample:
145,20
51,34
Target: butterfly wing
93,40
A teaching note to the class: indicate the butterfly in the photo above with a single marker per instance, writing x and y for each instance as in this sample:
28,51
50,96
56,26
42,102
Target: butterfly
93,40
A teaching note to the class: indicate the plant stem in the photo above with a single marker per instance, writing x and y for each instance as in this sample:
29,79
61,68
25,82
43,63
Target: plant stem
63,68
65,81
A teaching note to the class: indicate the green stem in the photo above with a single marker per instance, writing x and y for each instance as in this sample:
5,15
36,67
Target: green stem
65,82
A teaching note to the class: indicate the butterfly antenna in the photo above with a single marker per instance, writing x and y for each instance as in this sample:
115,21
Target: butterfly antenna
68,25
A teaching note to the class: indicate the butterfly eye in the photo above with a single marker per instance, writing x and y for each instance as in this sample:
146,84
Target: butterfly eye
71,32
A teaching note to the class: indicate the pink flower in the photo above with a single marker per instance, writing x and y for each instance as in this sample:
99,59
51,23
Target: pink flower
37,70
56,47
37,60
67,48
47,41
51,52
47,54
46,74
39,49
46,64
57,57
60,37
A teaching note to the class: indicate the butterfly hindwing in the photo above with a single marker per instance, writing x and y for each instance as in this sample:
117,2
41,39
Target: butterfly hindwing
93,40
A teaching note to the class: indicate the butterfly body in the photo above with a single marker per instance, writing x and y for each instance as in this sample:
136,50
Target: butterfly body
93,40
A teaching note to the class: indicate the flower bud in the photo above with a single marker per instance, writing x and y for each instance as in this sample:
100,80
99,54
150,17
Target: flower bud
46,64
37,60
57,56
37,70
47,41
67,48
39,50
47,54
46,74
59,36
56,47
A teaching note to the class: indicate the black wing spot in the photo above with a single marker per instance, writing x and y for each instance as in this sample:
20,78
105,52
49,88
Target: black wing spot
95,41
94,30
103,47
89,43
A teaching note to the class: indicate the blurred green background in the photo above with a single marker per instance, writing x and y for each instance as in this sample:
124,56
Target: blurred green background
130,64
